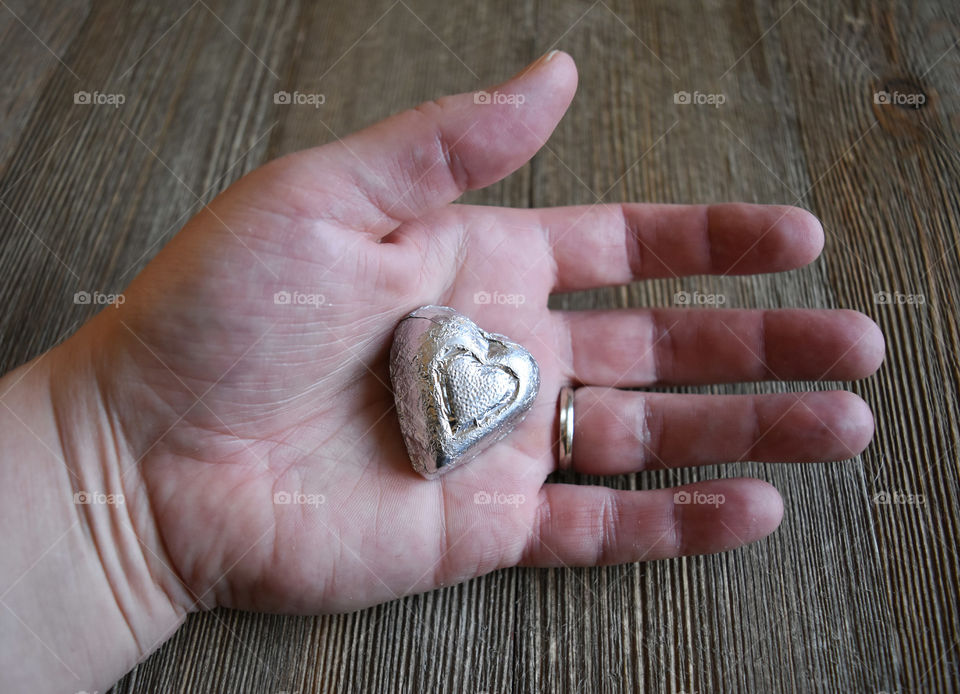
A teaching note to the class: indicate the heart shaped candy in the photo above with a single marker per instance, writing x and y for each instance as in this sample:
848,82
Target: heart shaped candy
458,388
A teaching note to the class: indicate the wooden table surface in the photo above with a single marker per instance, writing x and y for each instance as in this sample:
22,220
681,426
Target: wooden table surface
857,592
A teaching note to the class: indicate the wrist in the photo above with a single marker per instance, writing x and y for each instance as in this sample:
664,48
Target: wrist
77,513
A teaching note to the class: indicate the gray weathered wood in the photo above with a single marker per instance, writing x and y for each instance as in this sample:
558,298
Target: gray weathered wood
849,595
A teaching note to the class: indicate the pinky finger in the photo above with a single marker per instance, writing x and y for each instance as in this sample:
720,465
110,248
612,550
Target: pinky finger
578,525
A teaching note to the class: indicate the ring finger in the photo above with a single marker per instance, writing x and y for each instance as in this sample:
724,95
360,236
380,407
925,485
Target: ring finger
619,432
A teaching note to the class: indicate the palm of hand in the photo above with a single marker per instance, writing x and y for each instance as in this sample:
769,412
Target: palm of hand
296,407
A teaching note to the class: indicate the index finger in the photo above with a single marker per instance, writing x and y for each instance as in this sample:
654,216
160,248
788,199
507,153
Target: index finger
603,245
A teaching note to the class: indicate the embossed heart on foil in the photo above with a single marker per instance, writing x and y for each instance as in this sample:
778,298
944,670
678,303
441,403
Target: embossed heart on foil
458,389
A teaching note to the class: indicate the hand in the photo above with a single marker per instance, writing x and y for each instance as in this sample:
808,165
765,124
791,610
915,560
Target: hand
248,366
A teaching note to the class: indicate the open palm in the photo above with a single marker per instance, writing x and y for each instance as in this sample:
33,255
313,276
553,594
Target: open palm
247,370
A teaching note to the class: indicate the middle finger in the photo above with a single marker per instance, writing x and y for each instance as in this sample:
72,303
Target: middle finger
641,347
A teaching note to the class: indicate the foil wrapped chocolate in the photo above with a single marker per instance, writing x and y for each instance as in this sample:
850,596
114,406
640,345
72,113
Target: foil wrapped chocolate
458,389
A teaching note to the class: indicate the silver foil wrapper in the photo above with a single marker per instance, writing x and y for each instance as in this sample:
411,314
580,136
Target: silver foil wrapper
458,388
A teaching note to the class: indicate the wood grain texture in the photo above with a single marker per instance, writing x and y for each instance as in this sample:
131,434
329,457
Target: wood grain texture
849,595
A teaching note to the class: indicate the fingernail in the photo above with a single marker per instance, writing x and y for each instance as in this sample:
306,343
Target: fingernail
542,60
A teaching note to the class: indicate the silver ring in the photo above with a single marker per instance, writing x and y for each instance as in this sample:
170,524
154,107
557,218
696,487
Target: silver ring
566,428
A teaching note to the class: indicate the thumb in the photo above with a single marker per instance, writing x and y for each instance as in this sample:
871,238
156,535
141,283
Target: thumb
428,156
